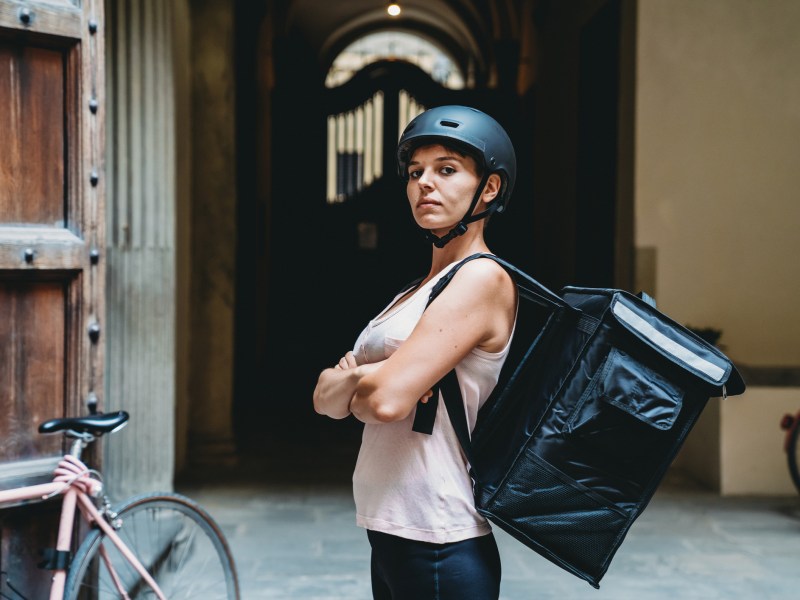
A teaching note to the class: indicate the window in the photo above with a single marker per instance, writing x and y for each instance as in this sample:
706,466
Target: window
355,144
355,137
399,45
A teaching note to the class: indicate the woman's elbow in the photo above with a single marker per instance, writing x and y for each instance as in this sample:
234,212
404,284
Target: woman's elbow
375,407
384,413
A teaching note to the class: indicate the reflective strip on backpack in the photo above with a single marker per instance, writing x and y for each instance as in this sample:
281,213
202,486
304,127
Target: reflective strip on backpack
668,345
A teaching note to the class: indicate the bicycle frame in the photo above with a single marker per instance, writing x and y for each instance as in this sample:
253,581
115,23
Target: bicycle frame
75,496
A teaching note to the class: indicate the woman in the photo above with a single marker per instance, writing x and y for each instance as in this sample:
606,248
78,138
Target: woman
413,491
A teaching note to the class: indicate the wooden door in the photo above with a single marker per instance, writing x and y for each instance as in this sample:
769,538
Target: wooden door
51,241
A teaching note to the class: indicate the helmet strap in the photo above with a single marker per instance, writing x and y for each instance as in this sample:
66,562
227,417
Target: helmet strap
461,227
440,242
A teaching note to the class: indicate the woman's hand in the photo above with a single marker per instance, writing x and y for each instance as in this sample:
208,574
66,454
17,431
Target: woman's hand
336,386
348,361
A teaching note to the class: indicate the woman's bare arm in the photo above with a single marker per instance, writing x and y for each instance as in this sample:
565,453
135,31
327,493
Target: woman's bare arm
477,309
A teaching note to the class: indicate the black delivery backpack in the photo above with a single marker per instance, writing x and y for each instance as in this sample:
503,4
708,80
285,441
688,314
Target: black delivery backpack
597,396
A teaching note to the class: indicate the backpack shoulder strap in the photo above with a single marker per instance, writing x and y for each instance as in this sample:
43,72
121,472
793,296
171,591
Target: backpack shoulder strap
425,416
448,277
528,288
451,392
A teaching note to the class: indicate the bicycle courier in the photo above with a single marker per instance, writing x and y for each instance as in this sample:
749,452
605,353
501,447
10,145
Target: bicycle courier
595,400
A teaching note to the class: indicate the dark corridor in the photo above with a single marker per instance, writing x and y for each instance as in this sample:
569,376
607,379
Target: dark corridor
305,284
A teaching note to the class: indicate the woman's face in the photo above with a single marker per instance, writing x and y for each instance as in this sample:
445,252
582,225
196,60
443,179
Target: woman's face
441,185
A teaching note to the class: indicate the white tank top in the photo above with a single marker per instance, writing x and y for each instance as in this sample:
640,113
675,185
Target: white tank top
410,484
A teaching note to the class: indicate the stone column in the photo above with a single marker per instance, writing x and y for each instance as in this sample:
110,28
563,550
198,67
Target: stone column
213,242
140,288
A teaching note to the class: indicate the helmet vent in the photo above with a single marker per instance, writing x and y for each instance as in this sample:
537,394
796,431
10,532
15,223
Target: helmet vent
452,124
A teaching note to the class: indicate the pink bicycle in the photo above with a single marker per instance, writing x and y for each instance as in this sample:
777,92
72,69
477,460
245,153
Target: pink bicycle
160,545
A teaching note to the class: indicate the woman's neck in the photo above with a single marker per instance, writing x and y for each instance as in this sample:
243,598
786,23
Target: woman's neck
457,249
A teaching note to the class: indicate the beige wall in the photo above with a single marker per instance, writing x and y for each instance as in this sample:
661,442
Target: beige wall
716,188
718,168
736,447
751,422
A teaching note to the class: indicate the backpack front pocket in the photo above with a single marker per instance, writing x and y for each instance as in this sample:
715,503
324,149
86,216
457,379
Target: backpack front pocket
625,413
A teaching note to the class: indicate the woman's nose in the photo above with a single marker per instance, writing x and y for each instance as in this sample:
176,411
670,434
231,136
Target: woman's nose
424,179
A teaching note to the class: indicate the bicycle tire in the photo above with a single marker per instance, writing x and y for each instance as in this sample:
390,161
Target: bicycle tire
793,455
179,543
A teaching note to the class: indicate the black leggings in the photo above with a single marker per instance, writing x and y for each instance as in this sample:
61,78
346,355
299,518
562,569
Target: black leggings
409,570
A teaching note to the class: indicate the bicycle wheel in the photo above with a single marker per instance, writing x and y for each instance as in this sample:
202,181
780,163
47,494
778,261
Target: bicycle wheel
793,454
174,538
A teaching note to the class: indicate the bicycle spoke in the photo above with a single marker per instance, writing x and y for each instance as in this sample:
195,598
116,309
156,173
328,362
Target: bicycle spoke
115,578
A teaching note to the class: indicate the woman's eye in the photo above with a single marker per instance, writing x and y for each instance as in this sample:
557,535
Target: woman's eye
448,170
415,174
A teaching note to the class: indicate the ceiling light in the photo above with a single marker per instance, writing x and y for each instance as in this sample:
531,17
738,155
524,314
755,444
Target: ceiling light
393,10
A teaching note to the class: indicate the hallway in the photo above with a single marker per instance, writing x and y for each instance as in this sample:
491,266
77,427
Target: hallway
297,539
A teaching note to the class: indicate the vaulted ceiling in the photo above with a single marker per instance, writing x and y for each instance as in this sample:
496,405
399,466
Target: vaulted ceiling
467,29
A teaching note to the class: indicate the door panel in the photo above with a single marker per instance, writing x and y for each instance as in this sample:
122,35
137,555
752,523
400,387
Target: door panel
31,365
51,235
62,18
32,164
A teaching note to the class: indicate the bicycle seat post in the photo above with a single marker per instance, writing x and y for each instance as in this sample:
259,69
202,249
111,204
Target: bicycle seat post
79,442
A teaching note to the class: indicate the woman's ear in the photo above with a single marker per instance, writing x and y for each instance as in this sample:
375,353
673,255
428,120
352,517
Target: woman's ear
492,188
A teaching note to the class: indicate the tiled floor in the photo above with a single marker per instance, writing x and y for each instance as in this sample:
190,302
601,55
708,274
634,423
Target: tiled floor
299,540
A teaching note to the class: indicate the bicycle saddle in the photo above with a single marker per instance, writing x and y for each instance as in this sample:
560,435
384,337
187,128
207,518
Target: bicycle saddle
93,424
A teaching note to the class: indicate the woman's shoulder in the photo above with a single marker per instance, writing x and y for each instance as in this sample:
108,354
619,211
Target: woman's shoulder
485,277
485,269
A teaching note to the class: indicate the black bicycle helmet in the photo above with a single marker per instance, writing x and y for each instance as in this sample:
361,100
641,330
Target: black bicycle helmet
477,135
